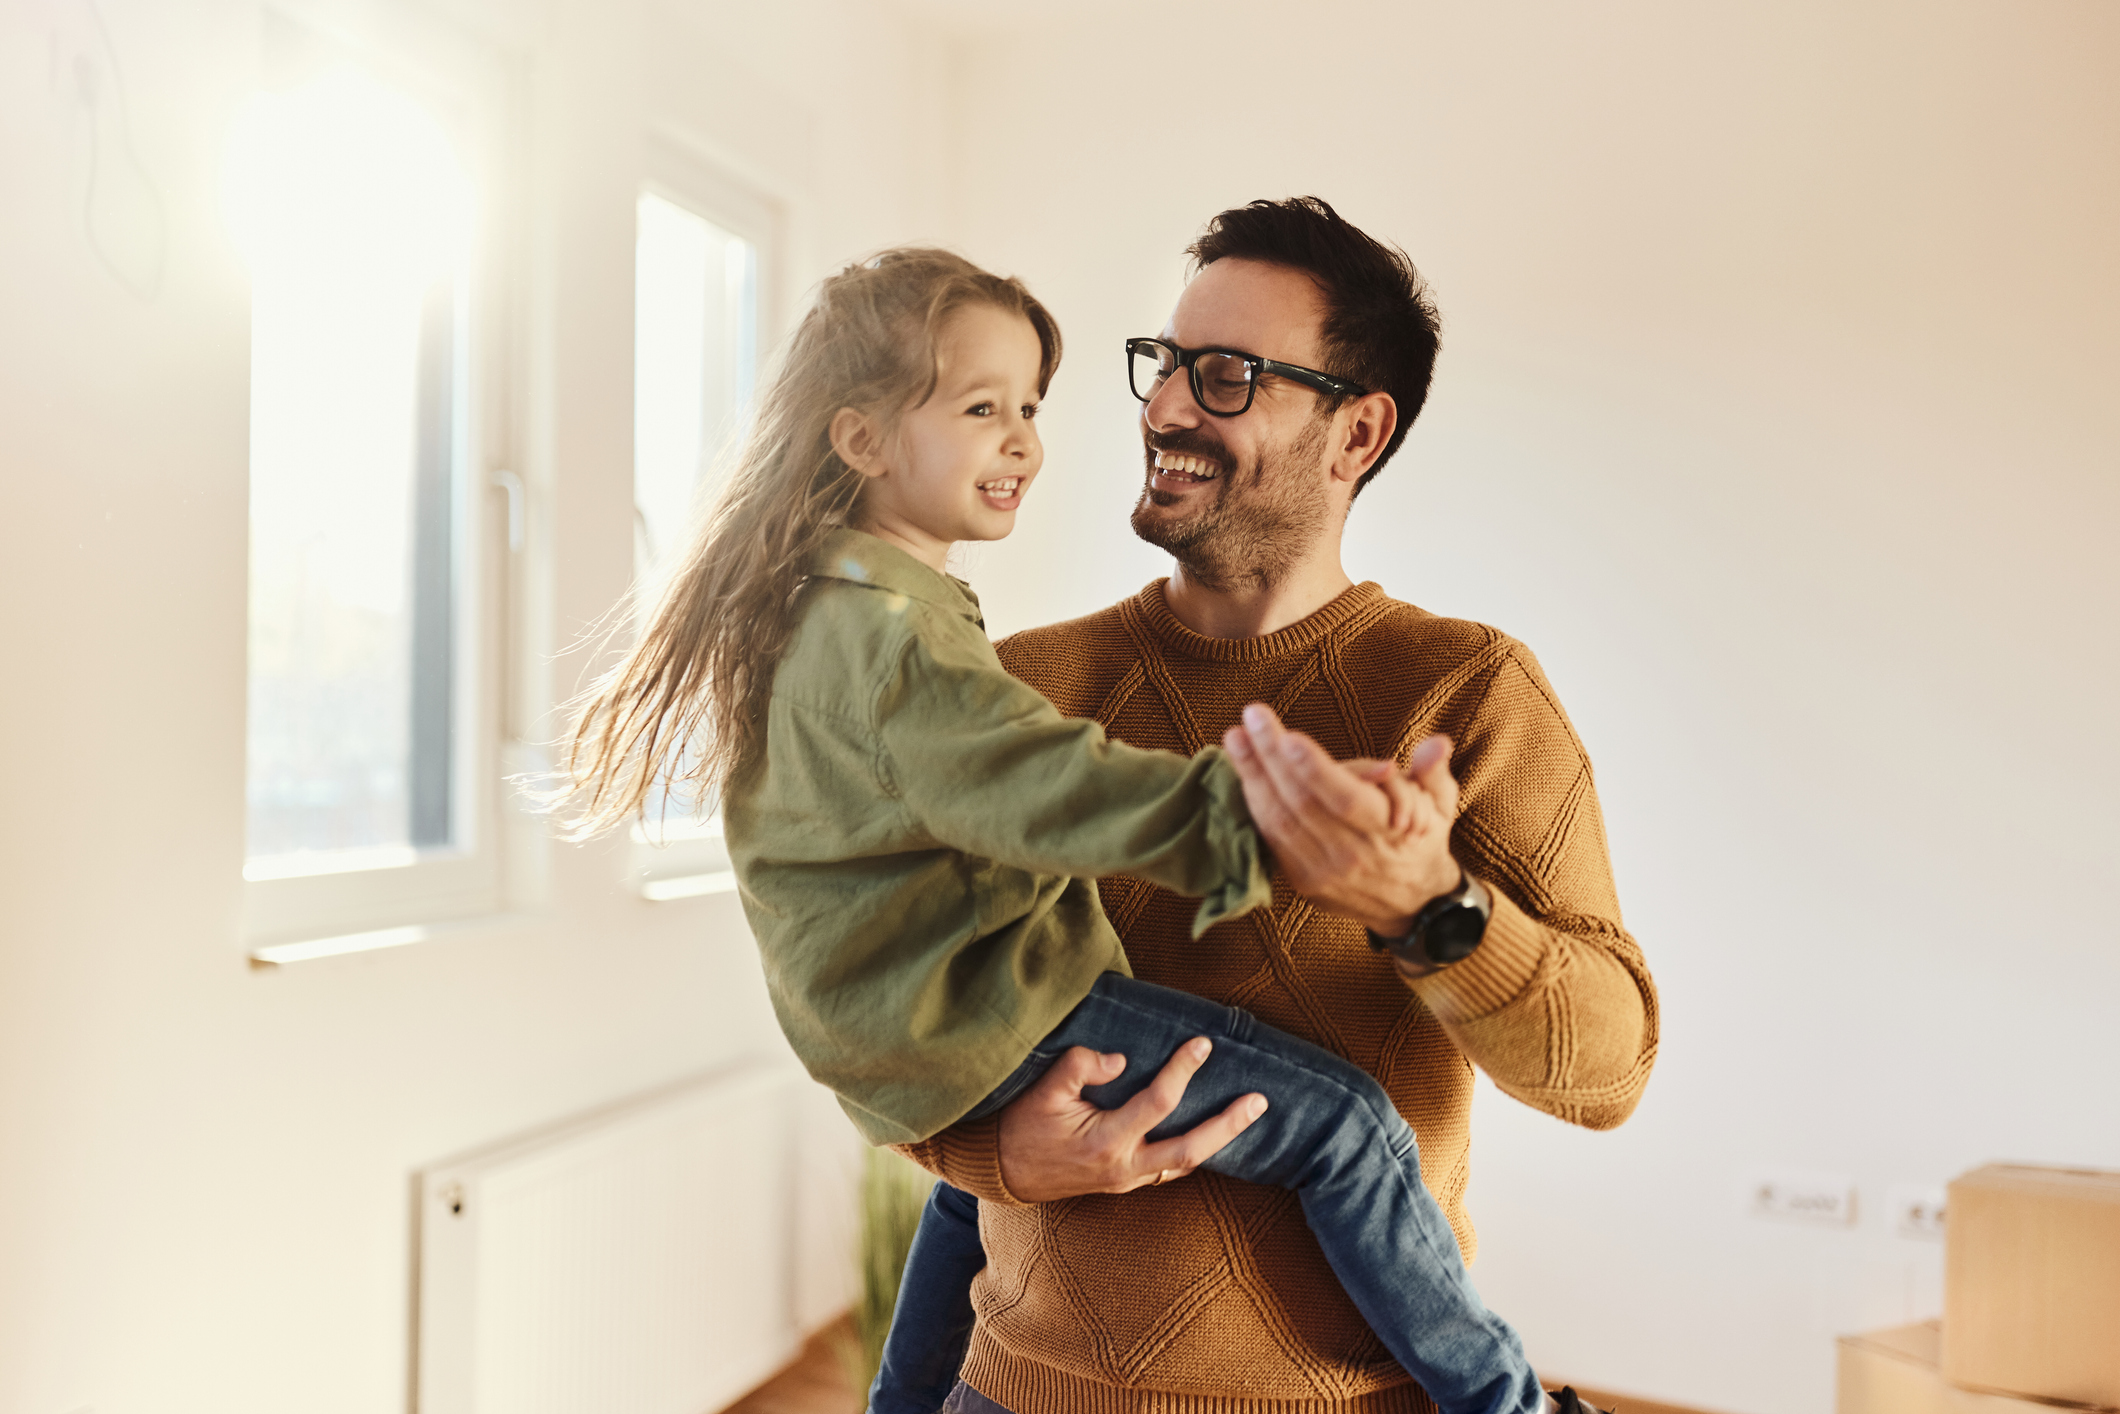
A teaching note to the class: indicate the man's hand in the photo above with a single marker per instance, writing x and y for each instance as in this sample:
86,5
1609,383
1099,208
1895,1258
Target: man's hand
1361,837
1055,1144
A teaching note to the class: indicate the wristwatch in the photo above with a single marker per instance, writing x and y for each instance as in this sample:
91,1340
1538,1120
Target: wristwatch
1446,930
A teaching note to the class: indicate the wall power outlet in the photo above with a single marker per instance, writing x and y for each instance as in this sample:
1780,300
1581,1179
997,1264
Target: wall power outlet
1825,1199
1915,1210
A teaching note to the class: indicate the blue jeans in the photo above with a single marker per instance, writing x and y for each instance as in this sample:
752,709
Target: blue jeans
1330,1133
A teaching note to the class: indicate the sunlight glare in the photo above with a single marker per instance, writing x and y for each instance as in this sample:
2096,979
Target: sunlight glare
346,175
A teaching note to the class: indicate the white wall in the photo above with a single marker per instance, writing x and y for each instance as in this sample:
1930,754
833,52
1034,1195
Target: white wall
203,1169
1775,412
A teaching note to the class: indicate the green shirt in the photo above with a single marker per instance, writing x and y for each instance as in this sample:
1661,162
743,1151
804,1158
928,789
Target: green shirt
917,852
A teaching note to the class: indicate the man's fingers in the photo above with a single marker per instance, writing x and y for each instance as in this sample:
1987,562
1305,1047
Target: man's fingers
1321,789
1307,777
1302,768
1293,836
1062,1082
1153,1105
1182,1153
1056,1144
1261,794
1408,801
1430,767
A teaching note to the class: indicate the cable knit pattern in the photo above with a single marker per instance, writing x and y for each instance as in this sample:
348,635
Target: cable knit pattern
1209,1296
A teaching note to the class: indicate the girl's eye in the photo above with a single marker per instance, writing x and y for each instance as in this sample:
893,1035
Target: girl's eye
981,410
1030,410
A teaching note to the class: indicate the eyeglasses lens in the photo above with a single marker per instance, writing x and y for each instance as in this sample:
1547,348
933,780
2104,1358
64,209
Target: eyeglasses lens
1224,381
1149,365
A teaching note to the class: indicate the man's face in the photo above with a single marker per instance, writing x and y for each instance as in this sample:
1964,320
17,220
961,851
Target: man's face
1238,500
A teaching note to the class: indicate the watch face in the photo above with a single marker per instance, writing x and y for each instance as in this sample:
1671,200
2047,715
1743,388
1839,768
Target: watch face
1453,935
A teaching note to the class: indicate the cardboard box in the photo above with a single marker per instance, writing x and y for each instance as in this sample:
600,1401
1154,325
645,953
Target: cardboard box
1898,1371
2031,1285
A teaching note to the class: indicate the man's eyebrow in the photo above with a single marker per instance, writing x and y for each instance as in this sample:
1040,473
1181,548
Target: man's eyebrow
1219,348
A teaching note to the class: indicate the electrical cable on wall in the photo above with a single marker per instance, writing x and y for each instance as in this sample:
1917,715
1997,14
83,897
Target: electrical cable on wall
122,212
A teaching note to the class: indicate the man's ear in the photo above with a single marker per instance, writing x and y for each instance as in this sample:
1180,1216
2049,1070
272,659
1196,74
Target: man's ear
1368,423
858,441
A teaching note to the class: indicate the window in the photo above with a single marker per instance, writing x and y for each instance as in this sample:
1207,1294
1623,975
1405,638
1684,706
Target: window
695,361
696,340
352,190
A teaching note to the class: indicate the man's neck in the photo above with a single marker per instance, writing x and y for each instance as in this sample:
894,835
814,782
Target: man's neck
1252,610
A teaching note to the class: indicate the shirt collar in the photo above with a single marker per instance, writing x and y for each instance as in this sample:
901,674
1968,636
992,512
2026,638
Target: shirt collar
861,558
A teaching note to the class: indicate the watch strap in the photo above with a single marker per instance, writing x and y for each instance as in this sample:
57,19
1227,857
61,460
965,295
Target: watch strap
1448,929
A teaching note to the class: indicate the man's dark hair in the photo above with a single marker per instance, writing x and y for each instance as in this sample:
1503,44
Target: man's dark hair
1381,327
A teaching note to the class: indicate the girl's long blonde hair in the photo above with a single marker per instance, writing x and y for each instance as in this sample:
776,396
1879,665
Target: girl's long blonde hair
686,707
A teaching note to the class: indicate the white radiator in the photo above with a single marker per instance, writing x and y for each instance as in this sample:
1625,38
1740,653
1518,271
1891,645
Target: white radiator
660,1256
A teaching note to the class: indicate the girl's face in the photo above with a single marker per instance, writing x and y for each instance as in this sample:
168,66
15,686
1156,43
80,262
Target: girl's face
959,464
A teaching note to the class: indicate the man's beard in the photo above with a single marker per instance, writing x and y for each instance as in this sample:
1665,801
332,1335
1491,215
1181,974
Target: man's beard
1256,522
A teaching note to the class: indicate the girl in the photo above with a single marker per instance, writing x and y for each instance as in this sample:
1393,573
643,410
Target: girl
917,833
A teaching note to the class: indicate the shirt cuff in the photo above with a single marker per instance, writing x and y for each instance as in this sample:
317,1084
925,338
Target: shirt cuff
1497,972
1247,874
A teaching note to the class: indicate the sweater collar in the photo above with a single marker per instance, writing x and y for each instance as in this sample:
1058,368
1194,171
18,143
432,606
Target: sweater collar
861,558
1299,637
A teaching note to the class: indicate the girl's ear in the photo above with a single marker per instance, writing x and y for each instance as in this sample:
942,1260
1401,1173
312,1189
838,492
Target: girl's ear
858,441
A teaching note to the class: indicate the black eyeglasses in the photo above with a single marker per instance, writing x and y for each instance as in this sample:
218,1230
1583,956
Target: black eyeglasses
1223,383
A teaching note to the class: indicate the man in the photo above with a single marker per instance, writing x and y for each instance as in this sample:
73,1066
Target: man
1457,913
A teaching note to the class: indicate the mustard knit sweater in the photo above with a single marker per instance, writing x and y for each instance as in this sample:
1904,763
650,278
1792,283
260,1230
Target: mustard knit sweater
1207,1294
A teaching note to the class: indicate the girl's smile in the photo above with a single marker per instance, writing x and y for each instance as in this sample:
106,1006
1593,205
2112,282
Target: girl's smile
1004,493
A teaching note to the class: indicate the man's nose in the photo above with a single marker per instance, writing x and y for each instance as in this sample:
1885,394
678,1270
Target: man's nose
1173,404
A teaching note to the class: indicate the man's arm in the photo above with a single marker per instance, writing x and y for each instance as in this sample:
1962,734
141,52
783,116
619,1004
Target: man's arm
1555,1004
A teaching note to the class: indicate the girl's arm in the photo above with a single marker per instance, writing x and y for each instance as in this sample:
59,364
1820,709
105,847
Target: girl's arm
989,767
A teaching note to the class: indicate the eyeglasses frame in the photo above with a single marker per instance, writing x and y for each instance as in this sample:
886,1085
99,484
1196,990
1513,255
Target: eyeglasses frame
1188,359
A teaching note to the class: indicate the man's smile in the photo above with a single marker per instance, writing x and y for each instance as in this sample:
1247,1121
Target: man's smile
1180,466
1173,473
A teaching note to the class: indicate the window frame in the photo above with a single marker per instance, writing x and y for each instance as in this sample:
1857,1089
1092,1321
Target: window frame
686,858
471,86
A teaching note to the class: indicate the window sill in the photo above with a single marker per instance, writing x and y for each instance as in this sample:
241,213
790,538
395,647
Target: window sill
278,955
720,881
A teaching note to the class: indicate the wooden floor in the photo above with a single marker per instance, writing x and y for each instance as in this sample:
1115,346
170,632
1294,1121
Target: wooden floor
1624,1403
816,1383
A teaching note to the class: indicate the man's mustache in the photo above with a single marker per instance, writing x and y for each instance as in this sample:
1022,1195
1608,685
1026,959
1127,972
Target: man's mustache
1186,442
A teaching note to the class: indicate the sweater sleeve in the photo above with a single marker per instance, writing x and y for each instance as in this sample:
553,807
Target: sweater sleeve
987,766
1557,1004
967,1155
